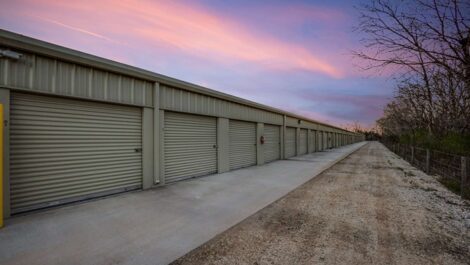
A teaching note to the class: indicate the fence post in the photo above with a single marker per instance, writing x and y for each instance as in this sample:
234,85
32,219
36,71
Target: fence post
428,160
463,177
412,160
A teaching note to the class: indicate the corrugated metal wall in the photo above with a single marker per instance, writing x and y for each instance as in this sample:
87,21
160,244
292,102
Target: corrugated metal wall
242,139
190,146
63,150
186,101
48,75
272,142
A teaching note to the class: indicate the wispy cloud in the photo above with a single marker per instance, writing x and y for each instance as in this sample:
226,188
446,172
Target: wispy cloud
81,30
290,55
189,28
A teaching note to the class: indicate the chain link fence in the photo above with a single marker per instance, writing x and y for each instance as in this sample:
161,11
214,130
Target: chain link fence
453,170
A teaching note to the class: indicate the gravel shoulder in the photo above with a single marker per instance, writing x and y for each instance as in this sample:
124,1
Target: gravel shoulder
371,207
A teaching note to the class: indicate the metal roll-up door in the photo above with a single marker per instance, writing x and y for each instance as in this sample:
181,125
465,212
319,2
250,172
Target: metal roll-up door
242,144
271,143
64,150
190,146
313,143
331,139
303,147
325,140
290,144
321,140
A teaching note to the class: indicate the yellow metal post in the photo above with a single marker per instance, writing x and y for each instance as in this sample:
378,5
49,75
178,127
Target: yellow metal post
1,165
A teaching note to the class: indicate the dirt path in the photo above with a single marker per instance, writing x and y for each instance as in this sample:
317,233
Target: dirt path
371,208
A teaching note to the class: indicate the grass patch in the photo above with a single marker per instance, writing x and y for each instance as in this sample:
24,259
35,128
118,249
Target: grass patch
454,186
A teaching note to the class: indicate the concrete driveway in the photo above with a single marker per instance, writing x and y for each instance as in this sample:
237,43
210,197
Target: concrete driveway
156,226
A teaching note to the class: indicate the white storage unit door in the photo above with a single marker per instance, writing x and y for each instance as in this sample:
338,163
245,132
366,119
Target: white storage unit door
271,143
242,141
64,150
190,146
303,147
290,144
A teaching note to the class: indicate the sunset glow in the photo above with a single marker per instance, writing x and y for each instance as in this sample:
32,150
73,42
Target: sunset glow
296,54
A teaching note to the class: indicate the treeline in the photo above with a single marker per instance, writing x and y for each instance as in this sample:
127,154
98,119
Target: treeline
427,43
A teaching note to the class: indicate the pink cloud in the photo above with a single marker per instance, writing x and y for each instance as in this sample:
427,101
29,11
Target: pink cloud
171,25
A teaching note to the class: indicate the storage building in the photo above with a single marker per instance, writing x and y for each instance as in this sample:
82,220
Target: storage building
77,126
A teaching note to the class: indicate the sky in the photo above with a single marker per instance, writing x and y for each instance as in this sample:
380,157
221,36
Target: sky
292,55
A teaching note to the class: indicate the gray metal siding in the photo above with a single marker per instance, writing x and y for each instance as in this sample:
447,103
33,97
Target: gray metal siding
290,144
49,75
174,99
190,146
58,70
303,141
272,144
64,150
242,144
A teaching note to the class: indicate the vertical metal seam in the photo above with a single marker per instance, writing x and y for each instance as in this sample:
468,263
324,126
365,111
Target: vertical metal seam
54,77
90,83
72,80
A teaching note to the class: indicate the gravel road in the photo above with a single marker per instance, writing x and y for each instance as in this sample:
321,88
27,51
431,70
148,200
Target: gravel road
371,208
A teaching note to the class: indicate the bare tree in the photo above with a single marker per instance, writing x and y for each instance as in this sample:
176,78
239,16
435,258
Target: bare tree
416,36
428,42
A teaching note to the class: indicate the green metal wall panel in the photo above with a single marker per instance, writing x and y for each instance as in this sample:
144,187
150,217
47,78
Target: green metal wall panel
53,76
174,99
